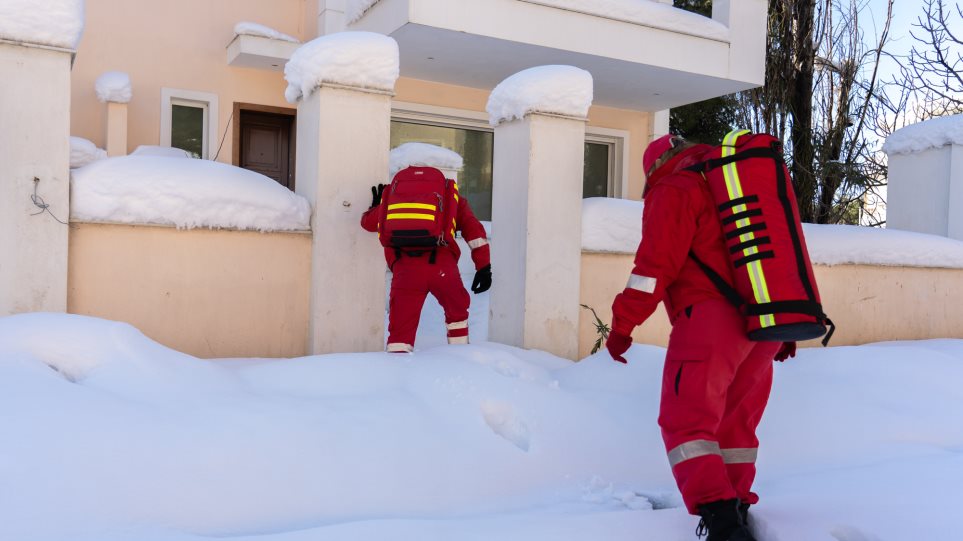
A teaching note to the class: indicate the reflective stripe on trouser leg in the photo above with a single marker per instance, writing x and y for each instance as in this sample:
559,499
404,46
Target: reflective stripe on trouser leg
744,455
399,347
458,332
693,449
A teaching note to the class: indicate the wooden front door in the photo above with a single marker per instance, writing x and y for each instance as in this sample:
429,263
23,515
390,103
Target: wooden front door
266,144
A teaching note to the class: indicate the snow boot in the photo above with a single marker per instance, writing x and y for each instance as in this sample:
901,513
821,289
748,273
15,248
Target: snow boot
722,521
744,511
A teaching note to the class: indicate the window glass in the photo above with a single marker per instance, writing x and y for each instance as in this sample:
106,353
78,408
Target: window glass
187,129
595,174
475,146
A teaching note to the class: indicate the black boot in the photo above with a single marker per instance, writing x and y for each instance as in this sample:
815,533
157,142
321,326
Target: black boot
744,511
723,521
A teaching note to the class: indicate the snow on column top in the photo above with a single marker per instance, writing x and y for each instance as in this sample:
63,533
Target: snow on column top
113,86
933,133
563,90
245,28
361,59
357,8
59,23
422,155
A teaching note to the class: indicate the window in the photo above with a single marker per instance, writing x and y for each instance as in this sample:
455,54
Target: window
189,121
469,134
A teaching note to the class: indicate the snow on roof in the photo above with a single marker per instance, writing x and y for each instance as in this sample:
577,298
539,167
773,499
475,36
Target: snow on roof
932,133
154,150
113,86
245,28
422,155
646,12
57,23
563,90
186,193
363,59
83,152
357,8
615,225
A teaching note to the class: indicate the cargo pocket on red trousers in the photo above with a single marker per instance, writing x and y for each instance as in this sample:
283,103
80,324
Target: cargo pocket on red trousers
685,372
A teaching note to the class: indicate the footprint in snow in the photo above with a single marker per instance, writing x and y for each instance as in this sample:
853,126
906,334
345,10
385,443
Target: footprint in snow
503,420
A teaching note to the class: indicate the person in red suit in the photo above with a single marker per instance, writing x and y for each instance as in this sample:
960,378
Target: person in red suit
415,274
716,381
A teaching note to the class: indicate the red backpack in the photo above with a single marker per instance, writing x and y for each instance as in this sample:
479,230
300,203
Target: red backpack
415,209
774,283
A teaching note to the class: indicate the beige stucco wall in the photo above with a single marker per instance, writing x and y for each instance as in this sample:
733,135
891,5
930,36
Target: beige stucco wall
867,303
177,44
203,292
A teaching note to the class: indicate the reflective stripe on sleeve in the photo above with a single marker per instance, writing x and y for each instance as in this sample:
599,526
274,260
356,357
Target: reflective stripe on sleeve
400,347
645,284
693,449
477,243
740,455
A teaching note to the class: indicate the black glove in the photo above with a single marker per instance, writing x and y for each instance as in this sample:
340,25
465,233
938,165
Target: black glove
376,192
483,280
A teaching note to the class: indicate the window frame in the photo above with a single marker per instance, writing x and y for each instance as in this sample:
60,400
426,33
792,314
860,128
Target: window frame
190,98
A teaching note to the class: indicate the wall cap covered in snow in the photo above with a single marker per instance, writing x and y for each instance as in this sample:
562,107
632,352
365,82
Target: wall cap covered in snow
113,86
58,23
423,155
353,59
559,90
929,134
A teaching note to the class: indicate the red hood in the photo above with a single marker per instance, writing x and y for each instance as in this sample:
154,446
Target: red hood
686,158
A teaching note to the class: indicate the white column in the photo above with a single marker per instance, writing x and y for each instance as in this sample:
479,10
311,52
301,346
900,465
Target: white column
116,136
342,147
34,143
331,17
954,226
537,227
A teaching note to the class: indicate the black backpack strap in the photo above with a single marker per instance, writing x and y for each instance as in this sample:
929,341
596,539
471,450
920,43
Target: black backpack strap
717,280
758,152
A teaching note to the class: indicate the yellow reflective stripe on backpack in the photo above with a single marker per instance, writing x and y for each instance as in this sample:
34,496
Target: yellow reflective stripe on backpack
422,206
410,216
757,277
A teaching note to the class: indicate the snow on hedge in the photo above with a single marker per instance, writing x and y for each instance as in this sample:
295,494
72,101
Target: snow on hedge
357,8
615,225
648,13
362,59
932,133
422,155
254,29
113,86
109,436
186,193
563,90
83,152
57,23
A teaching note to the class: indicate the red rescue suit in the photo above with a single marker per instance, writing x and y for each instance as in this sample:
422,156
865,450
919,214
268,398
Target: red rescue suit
715,382
415,276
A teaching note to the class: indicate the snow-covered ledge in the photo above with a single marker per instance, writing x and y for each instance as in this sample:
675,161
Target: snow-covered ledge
539,118
343,84
36,51
925,191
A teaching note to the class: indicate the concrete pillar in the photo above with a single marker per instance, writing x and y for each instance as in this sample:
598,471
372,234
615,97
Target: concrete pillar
343,141
34,143
116,136
331,16
537,232
954,225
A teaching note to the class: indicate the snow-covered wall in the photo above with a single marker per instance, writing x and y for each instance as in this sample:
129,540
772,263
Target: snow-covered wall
361,59
925,181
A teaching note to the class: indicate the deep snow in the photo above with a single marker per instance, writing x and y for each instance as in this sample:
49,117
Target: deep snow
113,86
57,23
562,90
362,59
109,437
929,134
422,155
